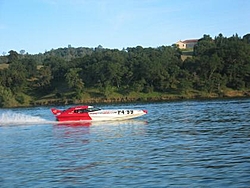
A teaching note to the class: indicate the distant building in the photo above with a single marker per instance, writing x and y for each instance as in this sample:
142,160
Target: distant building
186,44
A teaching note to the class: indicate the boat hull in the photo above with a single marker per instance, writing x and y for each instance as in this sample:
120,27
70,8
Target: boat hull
101,115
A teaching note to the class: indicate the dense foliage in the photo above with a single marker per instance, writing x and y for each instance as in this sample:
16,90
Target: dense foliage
216,64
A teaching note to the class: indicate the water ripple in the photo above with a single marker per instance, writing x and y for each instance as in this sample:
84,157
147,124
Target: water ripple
177,144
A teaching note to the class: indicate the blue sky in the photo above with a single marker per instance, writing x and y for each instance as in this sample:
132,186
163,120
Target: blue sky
37,26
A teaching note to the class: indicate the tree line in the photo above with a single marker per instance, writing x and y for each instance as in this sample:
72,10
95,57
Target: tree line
216,64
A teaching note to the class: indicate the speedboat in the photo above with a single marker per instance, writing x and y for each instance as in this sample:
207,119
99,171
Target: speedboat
91,113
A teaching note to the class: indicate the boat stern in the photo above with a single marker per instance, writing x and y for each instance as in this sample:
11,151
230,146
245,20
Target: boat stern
56,111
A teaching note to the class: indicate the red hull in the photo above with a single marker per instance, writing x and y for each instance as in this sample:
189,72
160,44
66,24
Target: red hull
67,117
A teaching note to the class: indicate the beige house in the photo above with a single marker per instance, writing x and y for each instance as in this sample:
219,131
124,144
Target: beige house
187,44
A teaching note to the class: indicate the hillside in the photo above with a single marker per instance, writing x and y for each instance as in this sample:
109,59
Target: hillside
218,67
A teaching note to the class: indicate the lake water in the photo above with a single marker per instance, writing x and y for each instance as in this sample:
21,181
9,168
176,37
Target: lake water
177,144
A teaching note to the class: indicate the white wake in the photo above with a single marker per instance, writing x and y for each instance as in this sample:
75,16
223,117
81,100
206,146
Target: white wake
8,118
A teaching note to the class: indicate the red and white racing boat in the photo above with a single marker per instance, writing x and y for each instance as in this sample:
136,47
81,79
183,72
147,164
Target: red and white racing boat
86,113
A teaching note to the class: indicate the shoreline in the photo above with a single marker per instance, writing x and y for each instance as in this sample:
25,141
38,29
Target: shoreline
126,99
136,98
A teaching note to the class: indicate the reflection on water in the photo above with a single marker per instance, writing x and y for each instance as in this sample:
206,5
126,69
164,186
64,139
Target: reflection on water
101,123
178,144
106,128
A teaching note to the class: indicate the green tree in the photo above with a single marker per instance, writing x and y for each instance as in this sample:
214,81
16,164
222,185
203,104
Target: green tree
17,77
205,46
58,66
13,56
44,77
246,38
73,79
30,65
7,99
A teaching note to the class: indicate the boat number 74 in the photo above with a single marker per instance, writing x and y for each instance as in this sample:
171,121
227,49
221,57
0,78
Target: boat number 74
125,111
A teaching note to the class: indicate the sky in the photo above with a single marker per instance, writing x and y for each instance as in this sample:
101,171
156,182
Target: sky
37,26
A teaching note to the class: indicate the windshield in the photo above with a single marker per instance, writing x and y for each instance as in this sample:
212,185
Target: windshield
86,110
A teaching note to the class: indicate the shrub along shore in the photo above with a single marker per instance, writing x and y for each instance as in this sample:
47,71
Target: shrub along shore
143,98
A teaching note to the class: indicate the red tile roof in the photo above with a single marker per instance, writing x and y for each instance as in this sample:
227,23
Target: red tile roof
190,41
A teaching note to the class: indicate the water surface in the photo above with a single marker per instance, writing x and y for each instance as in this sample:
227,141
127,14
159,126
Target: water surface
177,144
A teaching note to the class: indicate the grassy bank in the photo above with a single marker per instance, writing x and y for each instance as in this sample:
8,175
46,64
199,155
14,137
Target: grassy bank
92,97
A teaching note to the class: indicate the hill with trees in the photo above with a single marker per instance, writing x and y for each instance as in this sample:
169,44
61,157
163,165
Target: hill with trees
218,67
